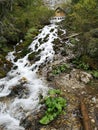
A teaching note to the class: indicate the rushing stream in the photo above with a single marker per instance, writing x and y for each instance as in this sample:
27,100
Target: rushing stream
24,73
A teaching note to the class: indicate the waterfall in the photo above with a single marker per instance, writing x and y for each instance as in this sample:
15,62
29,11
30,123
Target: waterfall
25,76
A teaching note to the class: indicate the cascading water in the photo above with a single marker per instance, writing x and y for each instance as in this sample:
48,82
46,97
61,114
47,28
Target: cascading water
13,110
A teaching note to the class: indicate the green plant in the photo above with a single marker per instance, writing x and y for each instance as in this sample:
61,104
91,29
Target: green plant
95,73
31,33
73,41
80,64
59,69
54,104
83,66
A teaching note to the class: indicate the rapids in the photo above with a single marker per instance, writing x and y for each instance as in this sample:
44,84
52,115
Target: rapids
25,74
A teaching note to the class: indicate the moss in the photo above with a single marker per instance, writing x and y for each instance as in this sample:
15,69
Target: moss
2,73
32,56
19,47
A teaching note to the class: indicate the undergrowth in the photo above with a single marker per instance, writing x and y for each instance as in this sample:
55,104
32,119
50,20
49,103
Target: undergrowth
55,105
59,69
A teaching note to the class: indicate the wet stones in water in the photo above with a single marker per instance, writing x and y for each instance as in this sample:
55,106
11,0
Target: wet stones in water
31,56
46,38
37,58
20,91
15,67
5,66
51,30
34,56
30,122
1,88
36,46
8,65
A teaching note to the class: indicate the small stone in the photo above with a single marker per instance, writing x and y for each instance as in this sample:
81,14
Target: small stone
43,129
94,99
92,120
91,105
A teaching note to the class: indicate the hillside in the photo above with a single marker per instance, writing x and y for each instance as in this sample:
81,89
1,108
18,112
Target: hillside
48,71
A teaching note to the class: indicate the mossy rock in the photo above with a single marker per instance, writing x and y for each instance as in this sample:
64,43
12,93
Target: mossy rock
32,56
19,47
56,41
2,73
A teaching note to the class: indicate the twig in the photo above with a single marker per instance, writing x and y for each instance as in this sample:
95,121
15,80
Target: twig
71,36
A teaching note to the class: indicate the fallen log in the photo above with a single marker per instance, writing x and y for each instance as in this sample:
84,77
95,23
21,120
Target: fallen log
85,117
71,36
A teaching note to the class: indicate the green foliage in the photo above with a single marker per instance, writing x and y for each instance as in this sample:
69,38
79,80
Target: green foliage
55,105
75,1
60,69
83,15
2,41
95,73
31,33
73,41
54,91
18,18
80,64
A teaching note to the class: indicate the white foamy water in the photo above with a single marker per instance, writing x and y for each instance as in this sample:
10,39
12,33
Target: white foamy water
13,111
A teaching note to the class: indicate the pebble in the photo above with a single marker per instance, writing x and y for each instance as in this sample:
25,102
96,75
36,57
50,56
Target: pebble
43,129
94,99
92,120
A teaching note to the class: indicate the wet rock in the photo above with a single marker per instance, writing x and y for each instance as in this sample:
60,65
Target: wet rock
27,122
30,122
5,66
23,80
20,91
2,73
